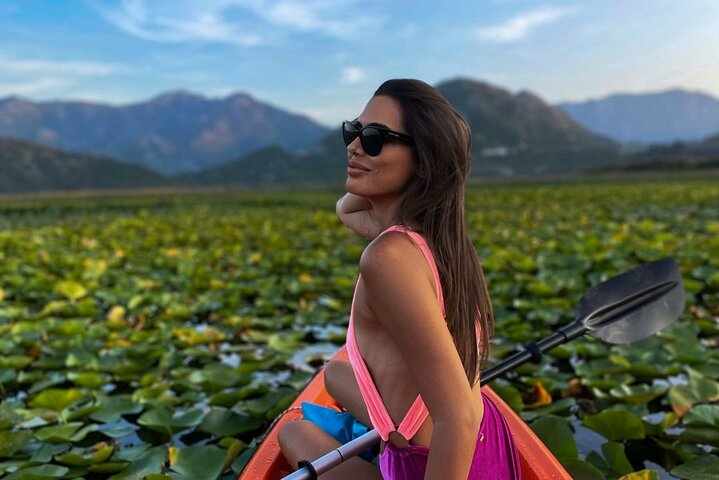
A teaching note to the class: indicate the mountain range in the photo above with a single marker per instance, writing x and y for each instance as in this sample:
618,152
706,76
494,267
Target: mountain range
28,167
663,117
513,134
171,133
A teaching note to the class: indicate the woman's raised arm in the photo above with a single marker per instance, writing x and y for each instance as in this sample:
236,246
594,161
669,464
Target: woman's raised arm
356,213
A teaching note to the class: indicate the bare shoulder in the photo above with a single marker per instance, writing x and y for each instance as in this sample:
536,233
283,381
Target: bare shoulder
393,253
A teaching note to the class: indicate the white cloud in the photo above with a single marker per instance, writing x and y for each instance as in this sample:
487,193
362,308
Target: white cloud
353,75
240,22
24,76
55,67
522,25
33,87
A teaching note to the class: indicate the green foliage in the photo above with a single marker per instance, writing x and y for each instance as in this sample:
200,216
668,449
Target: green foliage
139,336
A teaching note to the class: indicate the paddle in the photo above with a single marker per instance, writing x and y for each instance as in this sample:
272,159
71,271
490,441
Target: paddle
623,309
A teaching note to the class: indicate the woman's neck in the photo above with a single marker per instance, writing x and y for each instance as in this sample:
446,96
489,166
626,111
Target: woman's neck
386,210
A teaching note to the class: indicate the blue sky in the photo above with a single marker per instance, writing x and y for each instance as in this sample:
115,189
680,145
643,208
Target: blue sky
324,58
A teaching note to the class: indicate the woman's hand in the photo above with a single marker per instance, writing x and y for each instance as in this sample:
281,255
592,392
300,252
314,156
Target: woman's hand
357,214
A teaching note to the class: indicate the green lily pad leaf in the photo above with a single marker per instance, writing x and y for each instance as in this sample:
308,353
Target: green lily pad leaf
64,433
285,341
227,423
701,434
91,456
271,404
150,462
164,420
91,380
635,394
58,433
243,459
703,467
704,415
70,289
581,469
509,394
71,414
57,308
8,417
57,399
17,362
11,442
234,449
699,389
40,472
191,463
616,458
108,467
641,475
113,407
7,375
615,425
553,408
557,435
48,450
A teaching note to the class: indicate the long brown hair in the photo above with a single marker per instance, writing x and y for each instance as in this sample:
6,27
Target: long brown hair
435,199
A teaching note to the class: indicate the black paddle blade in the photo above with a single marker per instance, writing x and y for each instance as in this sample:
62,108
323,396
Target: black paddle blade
633,305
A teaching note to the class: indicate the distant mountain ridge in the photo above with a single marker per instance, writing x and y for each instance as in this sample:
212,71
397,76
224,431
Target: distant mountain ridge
520,134
173,132
661,117
28,167
514,134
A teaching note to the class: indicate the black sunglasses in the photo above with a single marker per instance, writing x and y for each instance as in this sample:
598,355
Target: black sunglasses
372,137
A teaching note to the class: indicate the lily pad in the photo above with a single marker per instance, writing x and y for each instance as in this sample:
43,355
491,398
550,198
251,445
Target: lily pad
164,420
634,394
113,407
704,467
641,475
150,462
557,435
11,442
39,472
191,463
615,425
226,423
57,399
97,454
70,289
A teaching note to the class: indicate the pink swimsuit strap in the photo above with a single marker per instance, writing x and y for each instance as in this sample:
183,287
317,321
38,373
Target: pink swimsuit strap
378,413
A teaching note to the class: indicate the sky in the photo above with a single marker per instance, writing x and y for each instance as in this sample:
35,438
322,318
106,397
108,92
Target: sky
325,58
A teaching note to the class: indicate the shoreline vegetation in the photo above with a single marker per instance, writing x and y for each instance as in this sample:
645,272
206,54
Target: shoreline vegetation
616,177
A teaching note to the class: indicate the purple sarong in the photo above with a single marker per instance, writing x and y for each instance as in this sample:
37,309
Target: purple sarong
495,456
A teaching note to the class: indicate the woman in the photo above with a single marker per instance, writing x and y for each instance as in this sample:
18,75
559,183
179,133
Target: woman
421,315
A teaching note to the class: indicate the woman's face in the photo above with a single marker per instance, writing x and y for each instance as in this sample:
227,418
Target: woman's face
388,173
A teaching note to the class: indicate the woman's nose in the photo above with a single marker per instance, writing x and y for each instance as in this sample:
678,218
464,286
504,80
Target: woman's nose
355,147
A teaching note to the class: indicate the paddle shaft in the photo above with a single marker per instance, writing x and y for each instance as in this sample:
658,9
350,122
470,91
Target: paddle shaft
533,351
337,456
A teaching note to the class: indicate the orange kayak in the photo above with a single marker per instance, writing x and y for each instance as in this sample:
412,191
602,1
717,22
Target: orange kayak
267,463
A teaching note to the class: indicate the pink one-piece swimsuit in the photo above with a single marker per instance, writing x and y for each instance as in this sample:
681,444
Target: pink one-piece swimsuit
495,455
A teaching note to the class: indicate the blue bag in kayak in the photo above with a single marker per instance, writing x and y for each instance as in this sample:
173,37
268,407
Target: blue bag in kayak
342,426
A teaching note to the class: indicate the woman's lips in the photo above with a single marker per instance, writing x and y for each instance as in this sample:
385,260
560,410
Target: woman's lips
357,166
355,169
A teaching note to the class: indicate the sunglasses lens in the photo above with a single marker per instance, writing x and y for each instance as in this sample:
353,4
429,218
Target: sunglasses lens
372,141
349,132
